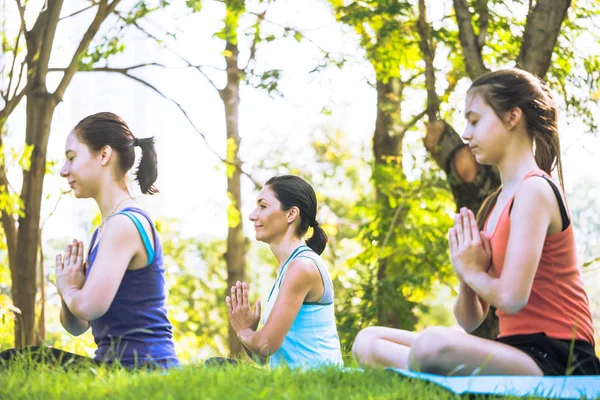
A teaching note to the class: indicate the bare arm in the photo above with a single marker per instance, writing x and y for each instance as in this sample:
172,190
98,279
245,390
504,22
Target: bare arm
120,243
470,310
534,213
71,323
301,280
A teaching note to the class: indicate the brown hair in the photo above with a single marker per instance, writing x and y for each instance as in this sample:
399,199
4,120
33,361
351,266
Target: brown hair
506,89
292,191
108,129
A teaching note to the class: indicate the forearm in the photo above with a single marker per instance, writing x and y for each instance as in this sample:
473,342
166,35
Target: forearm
75,326
256,342
495,292
256,357
82,305
469,309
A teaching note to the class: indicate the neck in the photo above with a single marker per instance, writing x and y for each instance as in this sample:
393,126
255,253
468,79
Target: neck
110,196
284,246
514,168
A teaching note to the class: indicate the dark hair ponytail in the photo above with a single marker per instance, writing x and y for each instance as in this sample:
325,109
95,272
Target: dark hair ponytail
108,129
293,191
506,89
318,240
147,171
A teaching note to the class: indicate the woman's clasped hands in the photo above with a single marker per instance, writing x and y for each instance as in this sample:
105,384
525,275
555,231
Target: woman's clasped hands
470,249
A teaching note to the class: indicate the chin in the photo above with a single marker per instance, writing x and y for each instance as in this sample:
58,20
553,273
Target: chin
259,237
481,160
79,195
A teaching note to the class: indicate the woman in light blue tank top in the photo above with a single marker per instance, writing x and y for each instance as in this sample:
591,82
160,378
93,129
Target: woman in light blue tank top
299,327
120,291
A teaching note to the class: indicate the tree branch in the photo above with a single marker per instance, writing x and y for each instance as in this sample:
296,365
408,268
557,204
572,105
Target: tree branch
94,4
8,222
484,21
21,14
104,10
19,81
413,121
588,263
123,69
540,36
260,17
11,76
290,29
158,41
399,208
468,40
62,193
12,104
428,56
185,114
52,14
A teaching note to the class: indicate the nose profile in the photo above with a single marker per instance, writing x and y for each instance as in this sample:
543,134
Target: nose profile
63,171
252,216
467,134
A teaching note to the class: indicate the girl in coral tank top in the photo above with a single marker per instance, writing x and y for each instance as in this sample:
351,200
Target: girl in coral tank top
517,255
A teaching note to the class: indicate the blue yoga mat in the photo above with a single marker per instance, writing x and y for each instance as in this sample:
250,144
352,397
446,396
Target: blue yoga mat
552,387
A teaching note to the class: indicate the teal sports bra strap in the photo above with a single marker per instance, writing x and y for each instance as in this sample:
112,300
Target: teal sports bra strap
277,283
143,234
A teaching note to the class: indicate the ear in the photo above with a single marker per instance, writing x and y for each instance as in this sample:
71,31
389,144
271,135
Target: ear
105,155
293,214
514,117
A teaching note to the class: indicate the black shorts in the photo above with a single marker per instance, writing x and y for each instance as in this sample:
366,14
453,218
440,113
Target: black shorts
555,356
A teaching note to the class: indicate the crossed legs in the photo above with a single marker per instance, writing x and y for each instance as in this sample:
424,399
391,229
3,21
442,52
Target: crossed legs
441,351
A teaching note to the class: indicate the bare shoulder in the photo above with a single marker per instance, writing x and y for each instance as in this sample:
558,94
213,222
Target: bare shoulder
535,192
120,227
303,270
536,206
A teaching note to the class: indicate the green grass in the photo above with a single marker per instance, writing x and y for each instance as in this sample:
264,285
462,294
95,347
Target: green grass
197,382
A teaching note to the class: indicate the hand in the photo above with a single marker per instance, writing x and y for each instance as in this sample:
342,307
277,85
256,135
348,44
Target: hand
70,273
238,308
470,249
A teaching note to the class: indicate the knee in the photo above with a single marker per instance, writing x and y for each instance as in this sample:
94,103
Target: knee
362,346
431,348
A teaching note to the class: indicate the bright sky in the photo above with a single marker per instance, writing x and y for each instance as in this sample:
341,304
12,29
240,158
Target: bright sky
191,181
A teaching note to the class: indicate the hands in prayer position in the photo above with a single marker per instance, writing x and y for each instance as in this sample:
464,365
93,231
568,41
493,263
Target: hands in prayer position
238,308
470,249
70,272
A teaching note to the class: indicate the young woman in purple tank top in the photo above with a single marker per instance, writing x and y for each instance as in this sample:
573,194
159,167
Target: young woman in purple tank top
119,291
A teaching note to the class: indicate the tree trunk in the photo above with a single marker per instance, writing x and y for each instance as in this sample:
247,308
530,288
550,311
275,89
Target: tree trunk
41,327
236,243
23,238
39,111
387,142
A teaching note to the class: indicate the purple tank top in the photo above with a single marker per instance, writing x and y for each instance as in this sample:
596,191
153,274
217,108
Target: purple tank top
135,330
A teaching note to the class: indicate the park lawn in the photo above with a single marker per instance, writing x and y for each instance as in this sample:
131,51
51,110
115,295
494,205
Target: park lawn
196,382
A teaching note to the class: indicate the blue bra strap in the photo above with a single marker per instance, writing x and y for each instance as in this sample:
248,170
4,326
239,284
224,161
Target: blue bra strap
143,234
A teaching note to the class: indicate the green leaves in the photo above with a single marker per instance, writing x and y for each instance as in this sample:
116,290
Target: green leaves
268,80
387,33
195,5
101,52
404,250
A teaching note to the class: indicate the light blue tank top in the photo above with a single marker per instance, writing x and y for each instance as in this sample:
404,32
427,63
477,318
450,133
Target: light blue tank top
312,340
135,329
